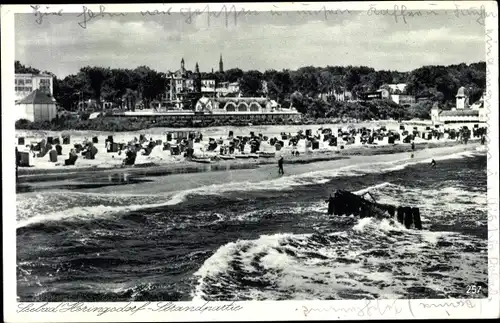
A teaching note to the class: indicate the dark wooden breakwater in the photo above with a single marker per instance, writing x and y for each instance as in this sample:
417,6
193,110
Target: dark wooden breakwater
344,203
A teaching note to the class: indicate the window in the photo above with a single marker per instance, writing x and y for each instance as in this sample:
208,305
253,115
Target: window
28,81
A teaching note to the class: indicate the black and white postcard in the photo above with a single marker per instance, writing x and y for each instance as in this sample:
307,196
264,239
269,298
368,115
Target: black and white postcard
274,161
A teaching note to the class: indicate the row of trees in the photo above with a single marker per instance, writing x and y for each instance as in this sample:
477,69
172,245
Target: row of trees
301,87
112,85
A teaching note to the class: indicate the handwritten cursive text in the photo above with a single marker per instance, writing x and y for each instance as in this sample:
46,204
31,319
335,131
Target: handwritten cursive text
40,15
370,308
87,15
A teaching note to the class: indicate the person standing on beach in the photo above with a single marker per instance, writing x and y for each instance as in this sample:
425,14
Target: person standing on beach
280,166
412,145
433,163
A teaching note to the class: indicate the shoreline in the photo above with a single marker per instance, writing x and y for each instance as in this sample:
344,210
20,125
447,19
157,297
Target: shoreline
32,174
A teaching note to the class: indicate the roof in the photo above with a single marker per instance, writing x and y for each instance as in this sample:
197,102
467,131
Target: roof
37,97
31,75
460,113
243,99
400,86
461,91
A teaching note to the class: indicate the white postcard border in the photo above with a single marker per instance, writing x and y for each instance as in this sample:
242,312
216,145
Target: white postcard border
255,310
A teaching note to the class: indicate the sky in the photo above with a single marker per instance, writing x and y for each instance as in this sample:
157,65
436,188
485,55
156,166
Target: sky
60,45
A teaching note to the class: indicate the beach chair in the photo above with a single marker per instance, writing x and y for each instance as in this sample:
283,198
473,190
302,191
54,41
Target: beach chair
175,150
24,159
50,140
212,145
20,141
36,146
90,152
66,140
56,141
71,160
166,146
78,148
53,156
113,147
59,149
110,138
95,140
43,152
130,159
147,151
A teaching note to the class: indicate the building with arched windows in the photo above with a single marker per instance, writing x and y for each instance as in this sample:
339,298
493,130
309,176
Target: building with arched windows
245,107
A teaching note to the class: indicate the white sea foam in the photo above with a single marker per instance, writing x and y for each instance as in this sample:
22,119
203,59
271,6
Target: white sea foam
43,208
374,264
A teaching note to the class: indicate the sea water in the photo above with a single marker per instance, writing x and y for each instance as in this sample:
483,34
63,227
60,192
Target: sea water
185,237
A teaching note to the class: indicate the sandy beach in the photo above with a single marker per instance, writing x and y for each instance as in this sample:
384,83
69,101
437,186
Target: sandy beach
161,161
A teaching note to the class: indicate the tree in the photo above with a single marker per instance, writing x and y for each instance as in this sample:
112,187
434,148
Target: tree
96,77
251,83
154,86
21,69
352,78
233,75
115,87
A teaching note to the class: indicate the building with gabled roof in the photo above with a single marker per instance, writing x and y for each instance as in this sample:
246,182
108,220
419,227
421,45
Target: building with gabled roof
37,106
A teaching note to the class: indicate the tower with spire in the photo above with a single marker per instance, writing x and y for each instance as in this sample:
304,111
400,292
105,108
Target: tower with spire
197,78
182,66
221,64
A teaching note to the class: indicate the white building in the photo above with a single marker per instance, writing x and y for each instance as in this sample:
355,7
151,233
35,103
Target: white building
462,113
37,106
207,85
237,105
27,83
395,93
397,88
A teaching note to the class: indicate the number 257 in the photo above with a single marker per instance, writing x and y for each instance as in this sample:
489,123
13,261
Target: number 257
473,289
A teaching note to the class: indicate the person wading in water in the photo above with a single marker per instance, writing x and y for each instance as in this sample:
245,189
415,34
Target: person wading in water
280,166
433,163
